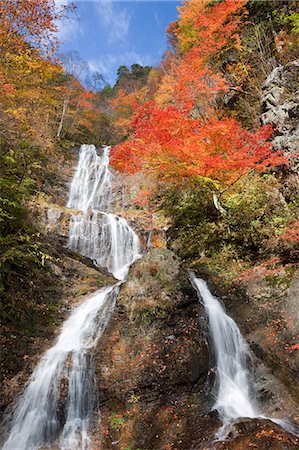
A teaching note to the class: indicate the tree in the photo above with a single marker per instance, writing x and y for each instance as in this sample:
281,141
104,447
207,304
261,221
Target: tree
75,68
34,22
170,145
130,80
95,81
193,77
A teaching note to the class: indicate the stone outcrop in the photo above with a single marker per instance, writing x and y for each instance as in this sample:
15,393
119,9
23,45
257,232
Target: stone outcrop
280,107
155,374
259,434
152,363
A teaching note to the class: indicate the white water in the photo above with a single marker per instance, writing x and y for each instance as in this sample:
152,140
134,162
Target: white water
234,387
57,405
97,233
107,239
91,186
37,420
235,393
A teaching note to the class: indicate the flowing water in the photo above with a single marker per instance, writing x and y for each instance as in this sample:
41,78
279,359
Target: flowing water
97,233
57,405
234,390
234,385
91,187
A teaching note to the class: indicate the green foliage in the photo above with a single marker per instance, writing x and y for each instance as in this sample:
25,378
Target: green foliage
261,10
17,164
21,250
291,20
190,199
256,214
131,79
116,422
25,314
195,218
13,191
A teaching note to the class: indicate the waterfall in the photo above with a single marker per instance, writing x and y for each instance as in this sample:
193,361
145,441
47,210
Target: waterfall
97,233
107,239
234,385
149,243
91,186
57,405
36,421
234,391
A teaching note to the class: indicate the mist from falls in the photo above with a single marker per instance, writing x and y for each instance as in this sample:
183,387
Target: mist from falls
57,405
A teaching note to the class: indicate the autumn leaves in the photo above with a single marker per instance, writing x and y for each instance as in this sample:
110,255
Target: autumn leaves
179,129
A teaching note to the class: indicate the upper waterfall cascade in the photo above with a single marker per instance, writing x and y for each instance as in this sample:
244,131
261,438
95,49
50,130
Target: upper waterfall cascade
97,233
91,186
42,417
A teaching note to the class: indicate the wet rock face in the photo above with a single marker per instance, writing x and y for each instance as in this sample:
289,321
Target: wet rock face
280,106
54,221
258,434
152,369
152,362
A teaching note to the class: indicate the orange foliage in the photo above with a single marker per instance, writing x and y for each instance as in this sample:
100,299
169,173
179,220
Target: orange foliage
33,21
169,144
84,100
191,83
291,235
123,106
123,103
209,27
142,198
178,132
192,79
35,92
293,348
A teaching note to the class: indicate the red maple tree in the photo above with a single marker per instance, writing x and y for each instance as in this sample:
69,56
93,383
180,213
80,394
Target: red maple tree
166,142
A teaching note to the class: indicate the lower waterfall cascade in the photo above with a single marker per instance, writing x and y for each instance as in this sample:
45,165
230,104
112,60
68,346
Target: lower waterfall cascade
235,396
37,421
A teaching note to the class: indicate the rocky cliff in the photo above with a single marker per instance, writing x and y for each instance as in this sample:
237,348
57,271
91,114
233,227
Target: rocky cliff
280,107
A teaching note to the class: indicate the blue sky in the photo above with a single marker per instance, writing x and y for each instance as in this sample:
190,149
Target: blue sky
108,33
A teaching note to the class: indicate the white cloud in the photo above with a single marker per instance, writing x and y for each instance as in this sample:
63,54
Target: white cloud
70,26
115,19
69,29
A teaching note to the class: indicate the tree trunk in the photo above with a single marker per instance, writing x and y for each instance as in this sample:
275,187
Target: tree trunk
64,109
